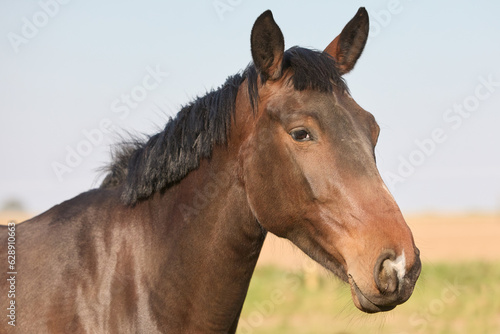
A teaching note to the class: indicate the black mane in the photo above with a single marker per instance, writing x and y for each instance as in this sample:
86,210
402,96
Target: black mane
165,158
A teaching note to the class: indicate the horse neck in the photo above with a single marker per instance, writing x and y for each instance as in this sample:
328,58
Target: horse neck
208,242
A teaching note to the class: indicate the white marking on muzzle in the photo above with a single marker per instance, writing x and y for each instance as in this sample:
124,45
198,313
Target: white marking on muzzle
399,265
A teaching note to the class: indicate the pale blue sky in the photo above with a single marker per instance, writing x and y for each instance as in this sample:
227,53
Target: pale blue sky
424,62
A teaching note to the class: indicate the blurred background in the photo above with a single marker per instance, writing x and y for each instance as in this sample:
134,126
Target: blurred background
77,77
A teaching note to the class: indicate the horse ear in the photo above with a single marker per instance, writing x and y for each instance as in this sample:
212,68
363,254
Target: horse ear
268,46
348,46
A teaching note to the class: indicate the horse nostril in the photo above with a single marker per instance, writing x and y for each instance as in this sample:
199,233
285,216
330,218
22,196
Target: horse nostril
388,271
388,279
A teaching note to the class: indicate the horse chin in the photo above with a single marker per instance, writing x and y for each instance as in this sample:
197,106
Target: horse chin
363,303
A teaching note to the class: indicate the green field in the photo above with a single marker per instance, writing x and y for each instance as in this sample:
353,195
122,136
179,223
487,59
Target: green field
449,298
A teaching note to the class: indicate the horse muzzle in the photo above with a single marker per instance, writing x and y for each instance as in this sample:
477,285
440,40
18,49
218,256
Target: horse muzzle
393,283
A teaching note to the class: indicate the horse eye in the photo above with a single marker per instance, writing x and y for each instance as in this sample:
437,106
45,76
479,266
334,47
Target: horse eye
300,135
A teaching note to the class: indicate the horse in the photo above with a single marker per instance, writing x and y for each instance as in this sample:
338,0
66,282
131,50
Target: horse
169,240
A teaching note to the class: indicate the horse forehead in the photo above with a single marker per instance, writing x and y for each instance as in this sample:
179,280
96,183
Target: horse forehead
348,114
336,110
290,100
